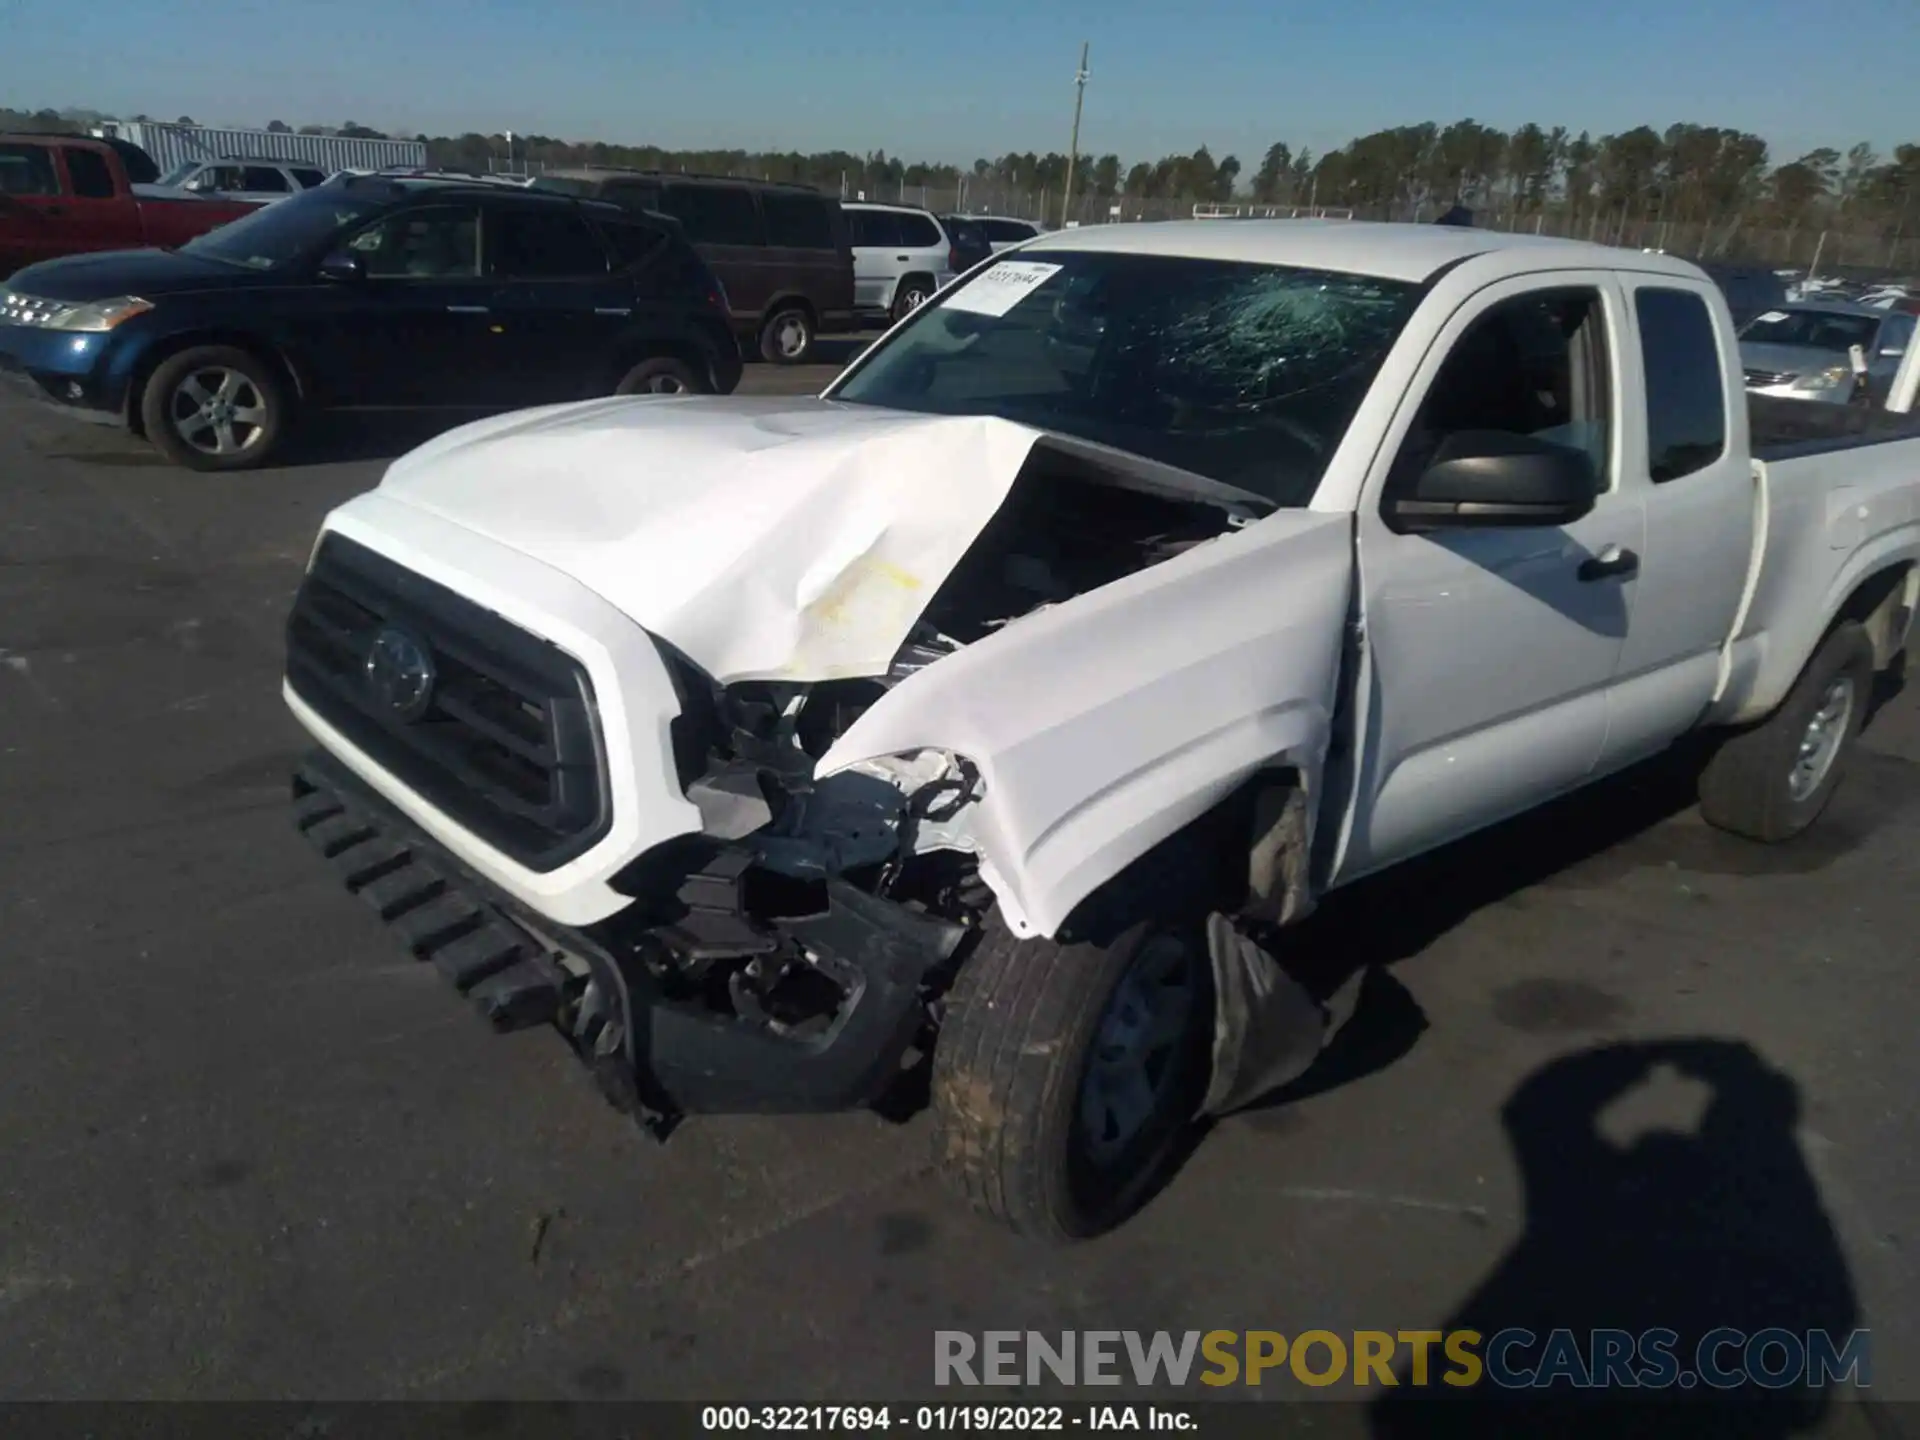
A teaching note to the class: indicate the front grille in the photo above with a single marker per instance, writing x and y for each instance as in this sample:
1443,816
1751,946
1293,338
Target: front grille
1767,377
506,741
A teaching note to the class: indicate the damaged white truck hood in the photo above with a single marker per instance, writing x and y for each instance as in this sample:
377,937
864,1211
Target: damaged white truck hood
764,538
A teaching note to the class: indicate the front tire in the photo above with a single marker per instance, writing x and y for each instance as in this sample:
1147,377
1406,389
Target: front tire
1771,782
661,375
1065,1075
214,407
787,337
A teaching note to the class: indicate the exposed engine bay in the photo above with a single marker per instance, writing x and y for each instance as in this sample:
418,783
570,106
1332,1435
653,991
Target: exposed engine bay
778,845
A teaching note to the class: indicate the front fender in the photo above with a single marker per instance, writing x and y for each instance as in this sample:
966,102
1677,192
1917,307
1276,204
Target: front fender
1102,726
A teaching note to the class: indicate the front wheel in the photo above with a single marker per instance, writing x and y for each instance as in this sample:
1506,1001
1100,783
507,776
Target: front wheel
1771,782
1065,1075
662,375
214,407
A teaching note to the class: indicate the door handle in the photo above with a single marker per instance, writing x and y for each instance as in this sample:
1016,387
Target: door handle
467,310
903,257
1614,562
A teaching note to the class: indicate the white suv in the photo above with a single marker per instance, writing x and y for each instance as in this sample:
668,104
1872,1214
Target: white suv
901,256
259,180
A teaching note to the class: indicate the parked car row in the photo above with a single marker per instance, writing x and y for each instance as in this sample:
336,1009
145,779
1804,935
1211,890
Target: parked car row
68,194
795,263
368,291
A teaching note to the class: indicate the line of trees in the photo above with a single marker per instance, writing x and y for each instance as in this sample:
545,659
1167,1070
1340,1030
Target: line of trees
1697,175
1687,174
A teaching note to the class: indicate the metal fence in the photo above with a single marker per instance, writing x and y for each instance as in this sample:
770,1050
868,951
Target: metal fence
172,145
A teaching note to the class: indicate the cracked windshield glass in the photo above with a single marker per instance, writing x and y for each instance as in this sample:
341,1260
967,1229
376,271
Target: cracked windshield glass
1246,374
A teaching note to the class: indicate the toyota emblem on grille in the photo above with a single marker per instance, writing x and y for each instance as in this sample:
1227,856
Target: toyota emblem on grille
399,674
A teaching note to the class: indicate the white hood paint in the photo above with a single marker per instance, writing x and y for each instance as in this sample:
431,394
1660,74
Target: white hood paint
764,538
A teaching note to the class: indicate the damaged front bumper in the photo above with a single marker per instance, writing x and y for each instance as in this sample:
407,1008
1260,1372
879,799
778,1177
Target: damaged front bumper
608,987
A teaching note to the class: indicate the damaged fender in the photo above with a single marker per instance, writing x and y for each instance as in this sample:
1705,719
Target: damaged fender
1101,726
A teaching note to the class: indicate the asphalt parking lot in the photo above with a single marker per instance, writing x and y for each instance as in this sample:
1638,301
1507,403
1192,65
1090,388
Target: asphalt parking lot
249,1149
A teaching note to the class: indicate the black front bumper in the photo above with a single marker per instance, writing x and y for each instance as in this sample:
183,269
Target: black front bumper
677,1058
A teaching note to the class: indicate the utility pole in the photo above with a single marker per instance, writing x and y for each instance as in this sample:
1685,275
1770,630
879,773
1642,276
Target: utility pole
1073,148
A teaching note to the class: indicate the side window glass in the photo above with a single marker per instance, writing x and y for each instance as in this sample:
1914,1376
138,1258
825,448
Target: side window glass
1535,365
27,170
1686,400
634,197
543,244
800,222
1896,337
310,178
874,229
262,178
632,244
442,243
88,171
918,232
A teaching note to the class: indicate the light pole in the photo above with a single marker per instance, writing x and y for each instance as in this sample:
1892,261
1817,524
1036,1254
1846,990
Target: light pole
1073,146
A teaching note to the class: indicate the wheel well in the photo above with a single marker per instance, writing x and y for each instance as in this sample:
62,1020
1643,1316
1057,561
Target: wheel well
1883,605
1247,854
789,302
912,275
680,350
165,350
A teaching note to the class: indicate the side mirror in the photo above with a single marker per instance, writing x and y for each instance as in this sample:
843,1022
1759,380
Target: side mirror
344,267
1857,357
1481,478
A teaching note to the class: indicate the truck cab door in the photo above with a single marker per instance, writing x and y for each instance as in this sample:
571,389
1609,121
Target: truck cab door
32,207
1686,453
101,213
1489,652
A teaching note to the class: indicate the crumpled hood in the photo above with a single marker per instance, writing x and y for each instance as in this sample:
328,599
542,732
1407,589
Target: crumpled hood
763,537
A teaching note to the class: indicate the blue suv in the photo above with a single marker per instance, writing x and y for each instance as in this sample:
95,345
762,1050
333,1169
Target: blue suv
369,291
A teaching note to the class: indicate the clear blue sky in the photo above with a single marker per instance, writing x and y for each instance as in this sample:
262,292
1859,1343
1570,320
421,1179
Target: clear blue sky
956,80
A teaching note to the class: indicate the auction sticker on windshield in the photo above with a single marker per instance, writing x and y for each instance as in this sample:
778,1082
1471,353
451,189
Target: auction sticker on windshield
999,289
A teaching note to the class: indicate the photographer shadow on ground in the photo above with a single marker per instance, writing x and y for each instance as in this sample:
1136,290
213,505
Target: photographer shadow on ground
1664,1189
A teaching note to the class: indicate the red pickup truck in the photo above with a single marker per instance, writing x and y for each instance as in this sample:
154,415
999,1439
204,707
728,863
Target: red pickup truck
65,195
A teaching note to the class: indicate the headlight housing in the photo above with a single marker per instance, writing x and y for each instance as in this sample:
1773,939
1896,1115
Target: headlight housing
74,316
1829,379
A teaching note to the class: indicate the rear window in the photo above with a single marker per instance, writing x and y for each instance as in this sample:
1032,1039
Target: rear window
1003,231
631,243
918,232
1686,401
801,222
715,214
87,171
544,243
27,170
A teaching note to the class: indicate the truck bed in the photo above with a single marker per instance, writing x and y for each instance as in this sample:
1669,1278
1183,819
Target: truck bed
1790,429
1839,502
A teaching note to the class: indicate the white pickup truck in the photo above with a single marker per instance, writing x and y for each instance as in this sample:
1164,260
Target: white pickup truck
996,710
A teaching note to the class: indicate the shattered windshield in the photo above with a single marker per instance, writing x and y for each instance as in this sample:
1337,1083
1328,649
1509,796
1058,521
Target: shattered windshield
1246,374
